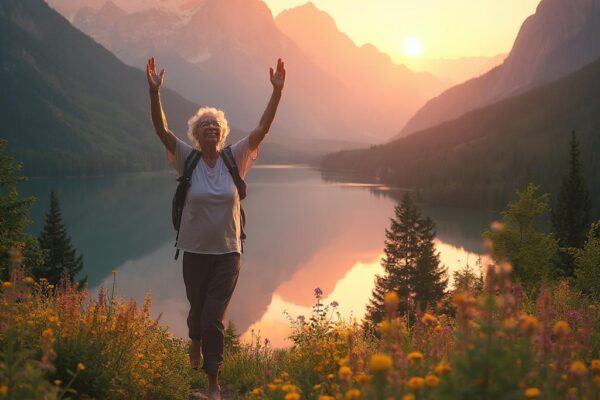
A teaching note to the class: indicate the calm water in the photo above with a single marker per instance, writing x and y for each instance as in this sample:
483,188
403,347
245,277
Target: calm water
303,233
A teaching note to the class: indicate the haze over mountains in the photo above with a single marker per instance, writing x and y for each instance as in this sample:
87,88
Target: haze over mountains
220,52
479,159
559,38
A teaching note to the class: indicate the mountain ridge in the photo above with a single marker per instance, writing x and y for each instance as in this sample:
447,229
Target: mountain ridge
558,39
480,158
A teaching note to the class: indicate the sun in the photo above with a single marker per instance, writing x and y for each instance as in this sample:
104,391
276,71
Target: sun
412,47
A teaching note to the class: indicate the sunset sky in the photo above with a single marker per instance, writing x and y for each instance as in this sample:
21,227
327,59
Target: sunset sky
426,28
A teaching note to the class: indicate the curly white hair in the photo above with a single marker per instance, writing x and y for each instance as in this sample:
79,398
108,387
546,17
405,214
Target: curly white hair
193,122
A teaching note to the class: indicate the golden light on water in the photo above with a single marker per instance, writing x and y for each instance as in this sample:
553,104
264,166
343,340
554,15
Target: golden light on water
352,292
412,47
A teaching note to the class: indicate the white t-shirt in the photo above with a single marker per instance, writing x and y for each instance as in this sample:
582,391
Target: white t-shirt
210,223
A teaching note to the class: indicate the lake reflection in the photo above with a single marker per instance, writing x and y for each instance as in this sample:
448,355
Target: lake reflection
303,233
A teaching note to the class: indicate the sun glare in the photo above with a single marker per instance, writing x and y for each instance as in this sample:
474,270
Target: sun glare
412,47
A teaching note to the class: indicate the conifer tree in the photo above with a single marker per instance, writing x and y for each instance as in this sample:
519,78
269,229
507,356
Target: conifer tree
571,216
60,259
16,246
518,241
411,264
429,279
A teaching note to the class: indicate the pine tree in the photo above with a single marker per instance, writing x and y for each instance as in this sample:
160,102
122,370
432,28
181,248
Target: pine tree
571,217
518,241
231,340
60,258
429,280
16,246
411,264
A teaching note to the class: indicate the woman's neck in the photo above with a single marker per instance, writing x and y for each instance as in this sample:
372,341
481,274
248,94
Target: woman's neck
210,152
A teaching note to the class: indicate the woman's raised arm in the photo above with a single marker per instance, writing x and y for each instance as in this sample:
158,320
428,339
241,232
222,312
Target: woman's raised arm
277,80
159,120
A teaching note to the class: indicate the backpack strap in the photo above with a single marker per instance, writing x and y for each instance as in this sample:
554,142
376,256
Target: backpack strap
229,160
190,164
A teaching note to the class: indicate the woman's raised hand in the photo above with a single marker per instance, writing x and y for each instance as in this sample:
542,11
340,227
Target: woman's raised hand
154,80
278,77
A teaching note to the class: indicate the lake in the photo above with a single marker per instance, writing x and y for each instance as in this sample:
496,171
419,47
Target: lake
303,232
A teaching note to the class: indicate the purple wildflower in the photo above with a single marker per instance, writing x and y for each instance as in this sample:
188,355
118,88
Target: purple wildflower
318,292
334,304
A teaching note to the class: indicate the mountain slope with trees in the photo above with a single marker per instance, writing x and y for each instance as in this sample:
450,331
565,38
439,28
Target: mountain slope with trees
478,160
69,106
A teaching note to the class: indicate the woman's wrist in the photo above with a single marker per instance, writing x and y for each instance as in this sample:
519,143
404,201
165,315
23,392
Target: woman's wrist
154,90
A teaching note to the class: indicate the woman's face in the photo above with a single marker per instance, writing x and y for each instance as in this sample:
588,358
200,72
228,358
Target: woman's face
208,131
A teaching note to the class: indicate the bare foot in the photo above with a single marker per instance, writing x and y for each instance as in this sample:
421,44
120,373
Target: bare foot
194,353
214,390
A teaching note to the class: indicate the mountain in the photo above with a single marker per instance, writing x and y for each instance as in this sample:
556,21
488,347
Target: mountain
68,105
69,8
222,51
479,159
559,38
388,92
456,70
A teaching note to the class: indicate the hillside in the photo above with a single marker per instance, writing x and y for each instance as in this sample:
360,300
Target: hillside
479,159
68,105
561,37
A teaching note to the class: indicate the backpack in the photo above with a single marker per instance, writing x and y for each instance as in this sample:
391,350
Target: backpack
185,182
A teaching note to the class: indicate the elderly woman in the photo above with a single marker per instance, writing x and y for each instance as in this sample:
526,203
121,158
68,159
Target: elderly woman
209,233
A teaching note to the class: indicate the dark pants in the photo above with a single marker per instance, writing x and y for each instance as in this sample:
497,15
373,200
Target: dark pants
209,283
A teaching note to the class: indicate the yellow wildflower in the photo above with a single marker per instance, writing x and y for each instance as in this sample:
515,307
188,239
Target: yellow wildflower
432,380
289,388
317,387
47,333
28,279
272,387
362,378
416,382
6,284
353,394
442,368
595,365
284,375
578,368
57,382
325,397
532,393
384,327
345,372
277,381
380,362
408,397
331,377
414,356
81,367
528,323
391,299
429,319
3,390
256,392
459,299
561,328
292,396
